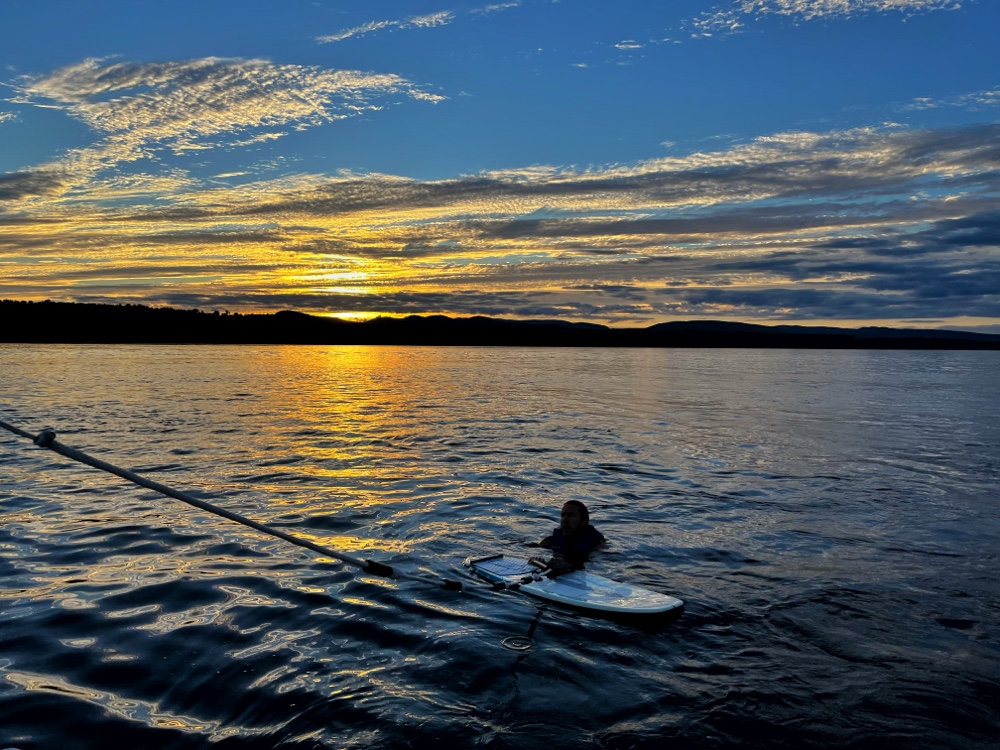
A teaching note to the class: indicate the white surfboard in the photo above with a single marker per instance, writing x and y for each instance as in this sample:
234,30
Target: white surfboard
579,588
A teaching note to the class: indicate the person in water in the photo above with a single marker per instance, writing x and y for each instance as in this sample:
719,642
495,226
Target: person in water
575,538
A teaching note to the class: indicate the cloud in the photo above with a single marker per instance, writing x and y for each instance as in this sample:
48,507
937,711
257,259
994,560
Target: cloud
16,186
721,21
791,167
868,223
183,102
973,101
911,297
496,7
7,117
144,109
942,263
430,20
427,21
361,30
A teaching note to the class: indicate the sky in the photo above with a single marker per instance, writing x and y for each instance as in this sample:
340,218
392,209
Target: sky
827,162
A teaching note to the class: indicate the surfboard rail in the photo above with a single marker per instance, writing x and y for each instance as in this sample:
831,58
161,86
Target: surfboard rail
580,589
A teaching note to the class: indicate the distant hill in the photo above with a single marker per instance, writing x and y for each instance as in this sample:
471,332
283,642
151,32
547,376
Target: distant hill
68,322
867,332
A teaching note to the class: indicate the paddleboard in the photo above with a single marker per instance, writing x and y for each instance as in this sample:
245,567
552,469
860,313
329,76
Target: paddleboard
579,588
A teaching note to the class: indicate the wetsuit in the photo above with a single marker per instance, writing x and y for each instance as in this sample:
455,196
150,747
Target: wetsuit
576,549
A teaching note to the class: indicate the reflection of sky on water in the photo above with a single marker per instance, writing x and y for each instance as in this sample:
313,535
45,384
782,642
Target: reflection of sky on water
818,499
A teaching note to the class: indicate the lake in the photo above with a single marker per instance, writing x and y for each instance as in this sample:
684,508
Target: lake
830,519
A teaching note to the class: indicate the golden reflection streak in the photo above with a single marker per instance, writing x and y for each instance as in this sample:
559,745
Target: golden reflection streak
131,573
142,712
352,394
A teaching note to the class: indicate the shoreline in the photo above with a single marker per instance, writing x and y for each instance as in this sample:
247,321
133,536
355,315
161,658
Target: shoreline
48,322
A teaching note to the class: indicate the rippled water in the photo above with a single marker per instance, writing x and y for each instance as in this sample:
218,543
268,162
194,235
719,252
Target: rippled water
830,518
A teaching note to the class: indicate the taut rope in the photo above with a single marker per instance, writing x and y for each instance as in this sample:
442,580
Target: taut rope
47,439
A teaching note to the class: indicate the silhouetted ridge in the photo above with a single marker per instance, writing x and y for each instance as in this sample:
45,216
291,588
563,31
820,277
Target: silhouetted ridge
69,322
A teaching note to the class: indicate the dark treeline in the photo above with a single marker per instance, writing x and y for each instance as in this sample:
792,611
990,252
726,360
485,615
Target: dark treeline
68,322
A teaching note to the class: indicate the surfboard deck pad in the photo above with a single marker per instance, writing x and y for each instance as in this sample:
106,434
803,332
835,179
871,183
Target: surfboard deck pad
580,588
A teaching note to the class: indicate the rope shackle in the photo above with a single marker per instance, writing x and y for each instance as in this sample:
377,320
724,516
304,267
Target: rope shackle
45,438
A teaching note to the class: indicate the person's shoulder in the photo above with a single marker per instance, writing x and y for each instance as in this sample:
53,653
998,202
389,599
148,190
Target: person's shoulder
595,535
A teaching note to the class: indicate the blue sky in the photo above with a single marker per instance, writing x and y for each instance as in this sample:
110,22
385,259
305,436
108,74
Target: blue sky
811,161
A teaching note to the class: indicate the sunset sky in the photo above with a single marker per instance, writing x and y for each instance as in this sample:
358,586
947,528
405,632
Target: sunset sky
628,162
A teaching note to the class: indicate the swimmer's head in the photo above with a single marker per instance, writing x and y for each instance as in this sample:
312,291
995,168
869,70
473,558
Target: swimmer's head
573,518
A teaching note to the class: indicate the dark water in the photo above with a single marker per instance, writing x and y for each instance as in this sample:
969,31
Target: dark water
830,518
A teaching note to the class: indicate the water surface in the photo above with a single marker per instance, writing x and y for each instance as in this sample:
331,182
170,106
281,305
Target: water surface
830,518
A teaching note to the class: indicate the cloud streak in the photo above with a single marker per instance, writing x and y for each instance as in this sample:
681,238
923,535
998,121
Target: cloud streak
426,21
497,7
143,110
728,20
793,226
977,100
430,20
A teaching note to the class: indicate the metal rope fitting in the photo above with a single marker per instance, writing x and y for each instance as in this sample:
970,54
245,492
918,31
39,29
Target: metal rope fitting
45,438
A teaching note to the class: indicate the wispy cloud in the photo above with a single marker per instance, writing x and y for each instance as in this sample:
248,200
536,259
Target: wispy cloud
427,21
7,117
974,101
19,185
731,19
497,7
441,18
144,109
798,225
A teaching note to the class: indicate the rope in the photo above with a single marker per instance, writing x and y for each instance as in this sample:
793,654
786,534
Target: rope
47,439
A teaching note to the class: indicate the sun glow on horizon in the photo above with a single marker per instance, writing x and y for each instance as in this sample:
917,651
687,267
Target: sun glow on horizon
353,315
142,165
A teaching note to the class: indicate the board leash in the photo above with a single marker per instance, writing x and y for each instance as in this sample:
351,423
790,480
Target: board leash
47,439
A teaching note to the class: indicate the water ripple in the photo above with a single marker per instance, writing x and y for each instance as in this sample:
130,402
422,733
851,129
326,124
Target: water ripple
829,518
